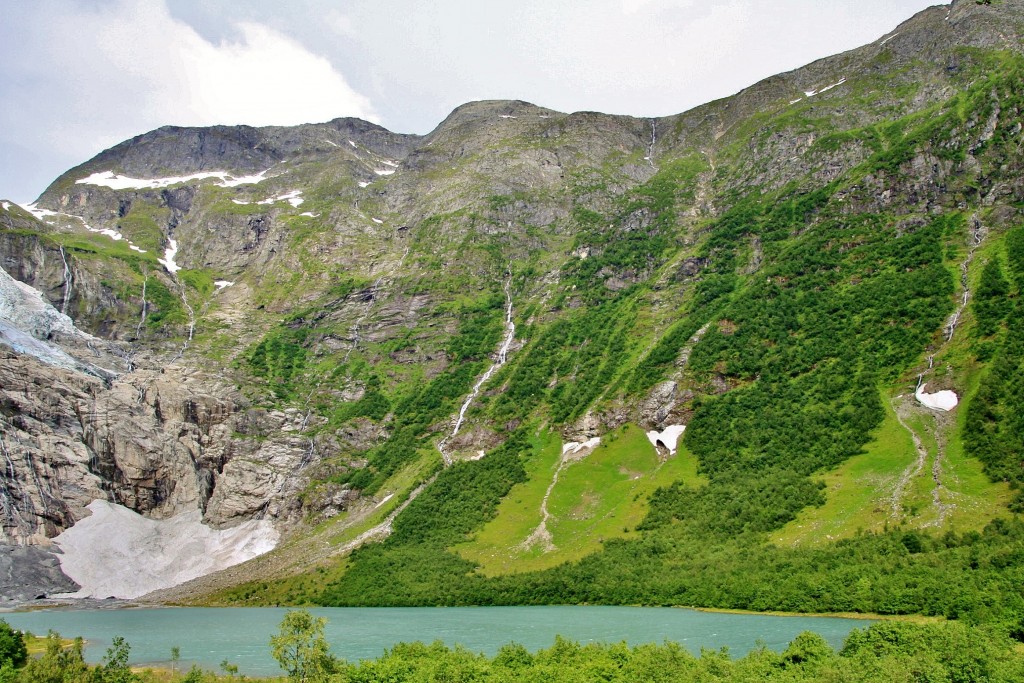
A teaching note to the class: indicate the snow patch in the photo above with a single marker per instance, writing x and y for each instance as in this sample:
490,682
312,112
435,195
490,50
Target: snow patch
940,400
796,100
812,93
385,172
293,197
168,261
668,437
41,214
239,201
363,183
6,205
118,552
353,144
576,447
119,182
44,214
221,284
377,221
309,214
507,116
332,144
888,39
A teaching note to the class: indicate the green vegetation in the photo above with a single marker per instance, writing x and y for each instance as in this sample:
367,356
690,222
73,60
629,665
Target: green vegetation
13,650
300,648
886,651
600,498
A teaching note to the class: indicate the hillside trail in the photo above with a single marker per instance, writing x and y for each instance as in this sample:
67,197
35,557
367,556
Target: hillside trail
500,359
937,422
571,452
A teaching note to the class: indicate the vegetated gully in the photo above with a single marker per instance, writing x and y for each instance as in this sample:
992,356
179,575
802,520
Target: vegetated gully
904,405
383,530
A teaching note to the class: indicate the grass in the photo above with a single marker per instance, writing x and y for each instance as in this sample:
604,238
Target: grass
859,492
602,497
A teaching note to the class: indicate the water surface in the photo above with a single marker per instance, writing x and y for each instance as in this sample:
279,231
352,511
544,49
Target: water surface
208,636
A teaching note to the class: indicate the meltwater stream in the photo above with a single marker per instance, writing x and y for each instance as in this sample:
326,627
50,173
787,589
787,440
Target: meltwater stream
209,636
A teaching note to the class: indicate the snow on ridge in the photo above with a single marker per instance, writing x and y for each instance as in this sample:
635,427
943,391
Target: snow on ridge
812,93
888,39
6,205
668,437
119,182
168,261
118,552
43,214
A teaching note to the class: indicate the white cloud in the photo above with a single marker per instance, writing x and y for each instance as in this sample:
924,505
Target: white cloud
260,78
80,78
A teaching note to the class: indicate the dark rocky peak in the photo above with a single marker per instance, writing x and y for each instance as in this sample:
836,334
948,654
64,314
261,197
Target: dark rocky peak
173,151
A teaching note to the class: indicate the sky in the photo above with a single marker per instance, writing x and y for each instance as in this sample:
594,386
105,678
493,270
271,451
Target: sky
78,76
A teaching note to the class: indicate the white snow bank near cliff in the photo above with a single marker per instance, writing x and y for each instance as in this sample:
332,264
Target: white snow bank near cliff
120,182
940,400
668,437
117,552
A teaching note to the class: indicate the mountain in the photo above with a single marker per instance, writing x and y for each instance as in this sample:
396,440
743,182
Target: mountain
762,354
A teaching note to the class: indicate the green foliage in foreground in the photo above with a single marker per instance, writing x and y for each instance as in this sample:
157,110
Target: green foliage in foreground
13,650
884,652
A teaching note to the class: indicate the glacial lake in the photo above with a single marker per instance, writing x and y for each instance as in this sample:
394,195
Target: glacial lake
208,636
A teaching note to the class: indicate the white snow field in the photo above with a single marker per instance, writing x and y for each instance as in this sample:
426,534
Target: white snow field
116,552
940,400
668,437
120,182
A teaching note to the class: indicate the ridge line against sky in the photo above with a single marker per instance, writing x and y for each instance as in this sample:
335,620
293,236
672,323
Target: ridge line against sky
78,78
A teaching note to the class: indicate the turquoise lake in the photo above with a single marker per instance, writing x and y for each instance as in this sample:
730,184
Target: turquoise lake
208,636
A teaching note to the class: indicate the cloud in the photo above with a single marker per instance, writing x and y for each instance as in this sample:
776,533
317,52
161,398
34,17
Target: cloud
83,77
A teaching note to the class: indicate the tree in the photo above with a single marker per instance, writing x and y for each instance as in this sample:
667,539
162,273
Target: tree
58,664
300,647
115,668
12,646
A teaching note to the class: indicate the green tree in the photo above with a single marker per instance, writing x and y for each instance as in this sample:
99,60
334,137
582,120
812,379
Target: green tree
115,668
12,646
57,664
991,304
300,647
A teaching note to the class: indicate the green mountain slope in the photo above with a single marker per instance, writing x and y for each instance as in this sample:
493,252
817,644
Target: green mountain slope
784,272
